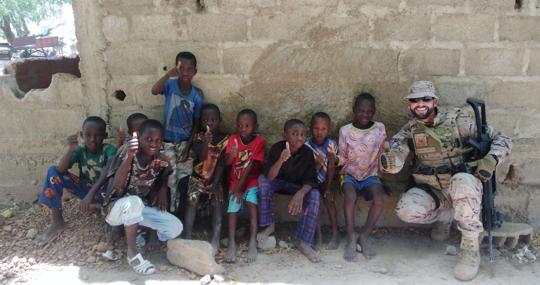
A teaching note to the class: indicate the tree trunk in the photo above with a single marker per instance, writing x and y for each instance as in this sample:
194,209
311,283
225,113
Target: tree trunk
6,28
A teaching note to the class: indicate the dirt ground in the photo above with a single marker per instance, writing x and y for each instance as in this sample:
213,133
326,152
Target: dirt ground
404,256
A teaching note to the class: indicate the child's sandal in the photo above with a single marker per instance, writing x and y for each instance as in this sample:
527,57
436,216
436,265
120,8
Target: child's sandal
144,267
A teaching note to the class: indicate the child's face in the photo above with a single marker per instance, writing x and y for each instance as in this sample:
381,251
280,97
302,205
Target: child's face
150,141
364,112
210,118
319,130
135,126
245,126
295,136
93,135
186,70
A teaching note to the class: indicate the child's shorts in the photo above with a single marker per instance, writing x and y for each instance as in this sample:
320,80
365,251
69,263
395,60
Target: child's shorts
196,189
361,185
249,196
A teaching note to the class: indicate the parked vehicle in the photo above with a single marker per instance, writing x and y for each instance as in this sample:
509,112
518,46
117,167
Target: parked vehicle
5,51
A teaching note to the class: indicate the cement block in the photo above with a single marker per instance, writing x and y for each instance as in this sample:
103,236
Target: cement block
115,28
503,120
218,27
493,61
317,3
515,94
416,63
534,210
522,28
235,4
474,28
492,6
436,2
207,56
290,26
534,62
193,255
339,28
384,3
404,27
135,60
527,126
455,93
240,60
153,27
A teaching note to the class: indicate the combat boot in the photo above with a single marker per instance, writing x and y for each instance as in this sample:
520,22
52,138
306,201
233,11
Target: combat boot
469,262
441,230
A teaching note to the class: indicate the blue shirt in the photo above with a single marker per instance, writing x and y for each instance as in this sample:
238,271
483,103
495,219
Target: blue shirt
322,150
181,111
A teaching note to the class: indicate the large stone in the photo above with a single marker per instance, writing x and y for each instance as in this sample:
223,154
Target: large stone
403,27
193,255
493,61
521,28
461,27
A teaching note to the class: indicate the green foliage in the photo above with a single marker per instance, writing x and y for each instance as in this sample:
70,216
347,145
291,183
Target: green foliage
18,12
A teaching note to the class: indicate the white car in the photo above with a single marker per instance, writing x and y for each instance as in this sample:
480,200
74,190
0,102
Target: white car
5,51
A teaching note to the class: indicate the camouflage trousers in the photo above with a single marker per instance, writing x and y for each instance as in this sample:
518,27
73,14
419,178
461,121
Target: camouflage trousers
180,169
461,201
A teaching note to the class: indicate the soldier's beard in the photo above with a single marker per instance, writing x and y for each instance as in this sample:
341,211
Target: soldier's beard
424,114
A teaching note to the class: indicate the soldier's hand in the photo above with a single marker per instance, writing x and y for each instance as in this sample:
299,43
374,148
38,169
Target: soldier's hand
485,168
390,163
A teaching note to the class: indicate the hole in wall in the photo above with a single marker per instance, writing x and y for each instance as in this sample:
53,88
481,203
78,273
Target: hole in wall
120,95
518,4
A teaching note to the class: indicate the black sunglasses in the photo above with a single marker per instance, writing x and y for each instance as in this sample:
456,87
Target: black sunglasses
423,99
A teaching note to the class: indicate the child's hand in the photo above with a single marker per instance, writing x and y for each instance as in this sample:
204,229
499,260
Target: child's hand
239,197
84,205
286,153
217,192
184,155
73,140
319,162
208,137
174,72
120,137
332,159
133,145
234,150
161,200
295,205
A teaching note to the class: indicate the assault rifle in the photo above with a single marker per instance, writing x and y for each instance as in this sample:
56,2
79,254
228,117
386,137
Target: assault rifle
491,218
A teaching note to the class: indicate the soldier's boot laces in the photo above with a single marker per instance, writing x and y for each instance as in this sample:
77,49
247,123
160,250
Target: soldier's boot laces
441,230
469,262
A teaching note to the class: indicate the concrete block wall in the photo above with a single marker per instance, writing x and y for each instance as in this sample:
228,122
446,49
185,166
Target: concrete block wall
292,58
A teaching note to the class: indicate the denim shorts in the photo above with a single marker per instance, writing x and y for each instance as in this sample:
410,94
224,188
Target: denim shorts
360,186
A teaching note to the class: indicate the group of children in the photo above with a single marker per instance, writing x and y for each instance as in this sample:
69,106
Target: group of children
142,183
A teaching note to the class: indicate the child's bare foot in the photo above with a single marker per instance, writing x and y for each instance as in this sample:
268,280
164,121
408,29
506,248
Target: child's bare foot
231,253
367,250
215,246
318,242
52,232
333,244
263,236
252,251
308,252
350,249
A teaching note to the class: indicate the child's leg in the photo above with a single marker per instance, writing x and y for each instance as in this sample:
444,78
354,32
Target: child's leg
217,218
349,209
376,192
231,250
330,206
308,224
51,196
194,192
250,200
165,224
266,206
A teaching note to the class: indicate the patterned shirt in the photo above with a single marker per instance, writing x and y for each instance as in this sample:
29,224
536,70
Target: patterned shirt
359,149
329,145
204,169
90,164
180,111
141,180
253,151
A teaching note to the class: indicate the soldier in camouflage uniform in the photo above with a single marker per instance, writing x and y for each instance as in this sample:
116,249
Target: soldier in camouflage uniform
444,191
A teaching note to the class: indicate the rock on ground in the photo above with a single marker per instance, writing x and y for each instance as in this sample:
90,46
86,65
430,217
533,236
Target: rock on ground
193,255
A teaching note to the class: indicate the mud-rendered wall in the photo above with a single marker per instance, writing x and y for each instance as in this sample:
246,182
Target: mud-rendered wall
291,58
